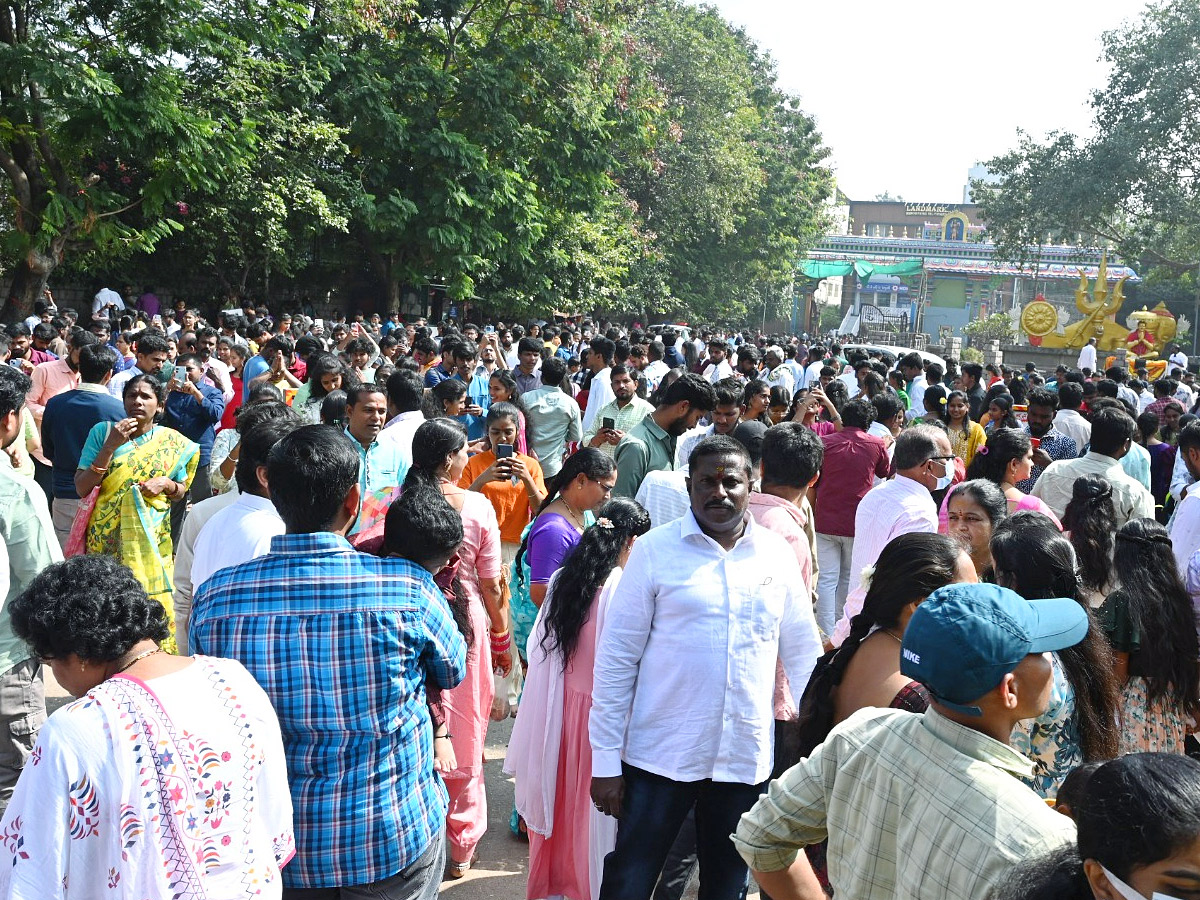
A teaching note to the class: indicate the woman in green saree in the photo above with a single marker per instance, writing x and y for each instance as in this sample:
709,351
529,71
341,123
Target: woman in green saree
141,468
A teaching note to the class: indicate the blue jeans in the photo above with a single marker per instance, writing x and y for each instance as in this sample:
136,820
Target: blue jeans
652,812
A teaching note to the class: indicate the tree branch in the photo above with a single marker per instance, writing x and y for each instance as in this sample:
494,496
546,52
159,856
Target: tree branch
16,175
124,209
49,157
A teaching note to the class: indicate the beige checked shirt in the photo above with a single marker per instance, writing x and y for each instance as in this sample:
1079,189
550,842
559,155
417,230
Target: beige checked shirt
625,418
914,806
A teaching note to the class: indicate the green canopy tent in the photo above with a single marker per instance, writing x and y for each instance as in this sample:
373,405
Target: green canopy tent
821,268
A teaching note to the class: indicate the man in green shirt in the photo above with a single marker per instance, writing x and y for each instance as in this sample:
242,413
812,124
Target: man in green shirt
927,806
27,534
650,446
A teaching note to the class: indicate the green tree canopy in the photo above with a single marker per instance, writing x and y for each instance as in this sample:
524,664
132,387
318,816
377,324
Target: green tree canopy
109,112
625,156
1133,186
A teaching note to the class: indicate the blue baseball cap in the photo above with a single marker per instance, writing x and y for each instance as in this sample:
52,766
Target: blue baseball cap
963,640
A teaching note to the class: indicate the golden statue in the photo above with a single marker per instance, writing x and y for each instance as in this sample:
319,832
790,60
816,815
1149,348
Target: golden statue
1039,320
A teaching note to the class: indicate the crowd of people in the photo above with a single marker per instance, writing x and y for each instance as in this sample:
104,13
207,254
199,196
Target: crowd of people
862,627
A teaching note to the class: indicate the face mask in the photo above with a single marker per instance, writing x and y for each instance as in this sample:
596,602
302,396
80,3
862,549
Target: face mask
944,481
1129,893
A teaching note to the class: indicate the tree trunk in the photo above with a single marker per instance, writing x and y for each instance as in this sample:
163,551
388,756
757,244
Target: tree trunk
29,281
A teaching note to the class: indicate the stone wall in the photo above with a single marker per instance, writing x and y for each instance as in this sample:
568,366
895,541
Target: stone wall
1047,359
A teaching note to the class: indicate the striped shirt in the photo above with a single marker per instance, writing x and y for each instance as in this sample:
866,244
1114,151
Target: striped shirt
913,805
342,643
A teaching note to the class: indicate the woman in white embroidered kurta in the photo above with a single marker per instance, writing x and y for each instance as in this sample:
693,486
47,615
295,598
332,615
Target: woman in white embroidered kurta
165,779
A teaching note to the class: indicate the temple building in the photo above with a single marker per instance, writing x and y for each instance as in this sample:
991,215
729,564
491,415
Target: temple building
909,268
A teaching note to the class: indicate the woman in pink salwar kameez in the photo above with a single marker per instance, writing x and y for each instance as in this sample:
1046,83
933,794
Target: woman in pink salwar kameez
439,457
549,750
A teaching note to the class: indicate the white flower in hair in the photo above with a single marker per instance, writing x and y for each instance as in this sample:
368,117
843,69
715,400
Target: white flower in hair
868,573
604,523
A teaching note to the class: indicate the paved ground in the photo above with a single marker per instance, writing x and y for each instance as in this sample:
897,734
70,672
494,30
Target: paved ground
503,861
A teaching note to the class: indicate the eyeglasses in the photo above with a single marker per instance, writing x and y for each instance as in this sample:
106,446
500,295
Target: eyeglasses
951,456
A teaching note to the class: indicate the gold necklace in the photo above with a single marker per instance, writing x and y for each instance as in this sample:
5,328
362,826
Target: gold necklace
889,633
140,656
575,517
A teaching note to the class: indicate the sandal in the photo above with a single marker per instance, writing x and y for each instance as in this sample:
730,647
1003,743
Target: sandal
459,869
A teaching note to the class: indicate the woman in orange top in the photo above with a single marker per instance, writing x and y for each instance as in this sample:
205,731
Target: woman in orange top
513,484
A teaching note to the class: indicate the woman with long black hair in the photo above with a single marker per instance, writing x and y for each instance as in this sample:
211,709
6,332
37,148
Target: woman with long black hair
326,374
865,670
1091,521
1151,625
583,483
502,388
439,459
1000,413
447,399
549,750
1032,558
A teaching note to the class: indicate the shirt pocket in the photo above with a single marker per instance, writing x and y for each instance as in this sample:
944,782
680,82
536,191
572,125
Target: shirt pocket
766,611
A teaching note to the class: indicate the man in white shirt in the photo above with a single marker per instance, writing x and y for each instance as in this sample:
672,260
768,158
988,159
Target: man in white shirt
723,419
1068,419
656,368
405,391
663,494
1185,526
1125,393
816,362
853,377
1184,393
718,367
1111,436
181,595
924,462
795,364
1178,357
150,356
243,530
775,373
1143,396
673,723
912,367
216,373
1087,356
106,304
599,358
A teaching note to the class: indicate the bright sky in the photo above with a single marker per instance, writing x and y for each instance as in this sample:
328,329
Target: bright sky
909,96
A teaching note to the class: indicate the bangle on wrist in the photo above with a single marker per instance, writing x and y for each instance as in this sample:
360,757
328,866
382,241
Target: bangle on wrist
501,642
443,737
97,469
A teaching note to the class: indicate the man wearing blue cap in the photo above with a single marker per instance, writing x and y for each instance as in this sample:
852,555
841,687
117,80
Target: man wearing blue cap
930,805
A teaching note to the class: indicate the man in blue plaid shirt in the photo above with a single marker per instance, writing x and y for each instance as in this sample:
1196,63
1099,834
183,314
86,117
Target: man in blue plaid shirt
342,643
